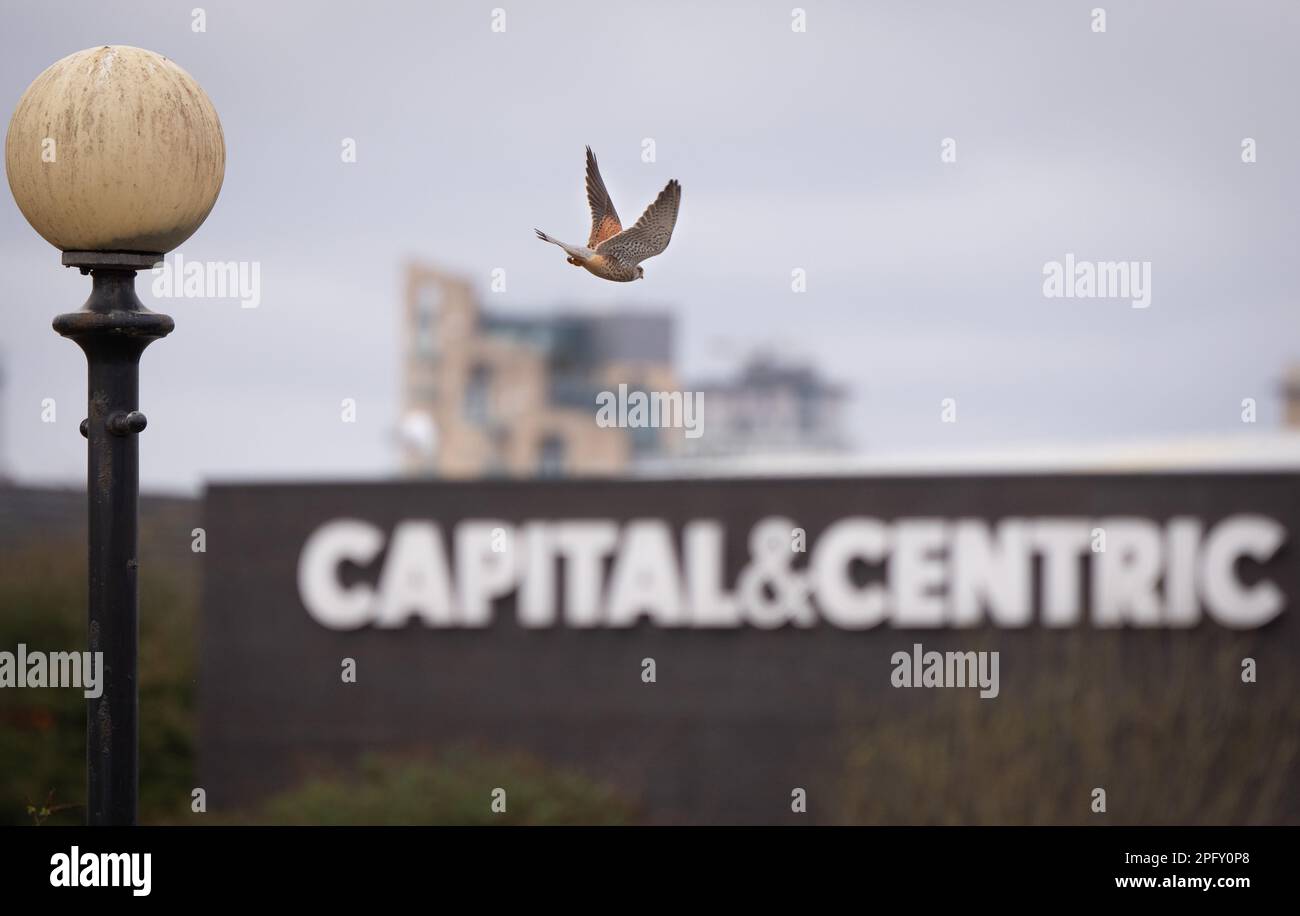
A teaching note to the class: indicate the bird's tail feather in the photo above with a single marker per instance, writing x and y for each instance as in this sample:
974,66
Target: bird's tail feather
576,254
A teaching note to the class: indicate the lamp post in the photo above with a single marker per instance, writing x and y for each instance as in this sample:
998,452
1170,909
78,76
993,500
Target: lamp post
115,156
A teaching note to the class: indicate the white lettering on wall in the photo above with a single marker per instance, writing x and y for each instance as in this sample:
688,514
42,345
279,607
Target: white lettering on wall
859,573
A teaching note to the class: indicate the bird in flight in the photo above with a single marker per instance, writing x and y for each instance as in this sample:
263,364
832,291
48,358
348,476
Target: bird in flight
613,252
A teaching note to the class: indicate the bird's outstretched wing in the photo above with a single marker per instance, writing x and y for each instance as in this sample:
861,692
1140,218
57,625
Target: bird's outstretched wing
604,219
652,232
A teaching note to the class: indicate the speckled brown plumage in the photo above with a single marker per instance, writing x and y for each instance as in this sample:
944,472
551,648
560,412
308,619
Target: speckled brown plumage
604,218
615,253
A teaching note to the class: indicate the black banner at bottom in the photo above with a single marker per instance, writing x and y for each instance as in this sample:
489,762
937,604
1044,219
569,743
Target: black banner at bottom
236,863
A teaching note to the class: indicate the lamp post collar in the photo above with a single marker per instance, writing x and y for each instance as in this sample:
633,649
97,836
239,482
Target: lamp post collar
110,260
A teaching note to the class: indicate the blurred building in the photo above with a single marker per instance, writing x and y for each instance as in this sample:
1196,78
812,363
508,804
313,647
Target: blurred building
487,393
1291,397
771,408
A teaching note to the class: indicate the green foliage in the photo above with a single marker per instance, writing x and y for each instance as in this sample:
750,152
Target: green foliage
452,787
43,732
1171,734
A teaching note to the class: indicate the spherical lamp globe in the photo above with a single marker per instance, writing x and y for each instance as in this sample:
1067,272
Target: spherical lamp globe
115,149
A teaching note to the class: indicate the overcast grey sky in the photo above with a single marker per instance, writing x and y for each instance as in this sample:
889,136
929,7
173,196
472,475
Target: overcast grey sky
818,150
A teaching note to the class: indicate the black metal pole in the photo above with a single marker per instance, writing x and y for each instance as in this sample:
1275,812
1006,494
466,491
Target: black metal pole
113,328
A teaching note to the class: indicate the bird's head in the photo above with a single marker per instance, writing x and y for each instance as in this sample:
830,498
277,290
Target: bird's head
640,273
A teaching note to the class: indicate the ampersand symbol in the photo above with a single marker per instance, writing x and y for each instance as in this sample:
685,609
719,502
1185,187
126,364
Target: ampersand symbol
770,590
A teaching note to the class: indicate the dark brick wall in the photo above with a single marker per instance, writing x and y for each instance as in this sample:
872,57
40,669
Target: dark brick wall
737,717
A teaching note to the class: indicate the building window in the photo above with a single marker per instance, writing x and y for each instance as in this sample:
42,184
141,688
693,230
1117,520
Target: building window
550,462
425,342
478,395
645,440
428,298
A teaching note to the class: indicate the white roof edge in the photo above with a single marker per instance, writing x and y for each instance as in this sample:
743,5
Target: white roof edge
1259,452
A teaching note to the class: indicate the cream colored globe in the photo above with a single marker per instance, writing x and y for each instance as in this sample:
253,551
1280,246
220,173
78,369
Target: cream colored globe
115,149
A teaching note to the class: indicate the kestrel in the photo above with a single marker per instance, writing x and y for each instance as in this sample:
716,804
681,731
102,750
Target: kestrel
613,252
